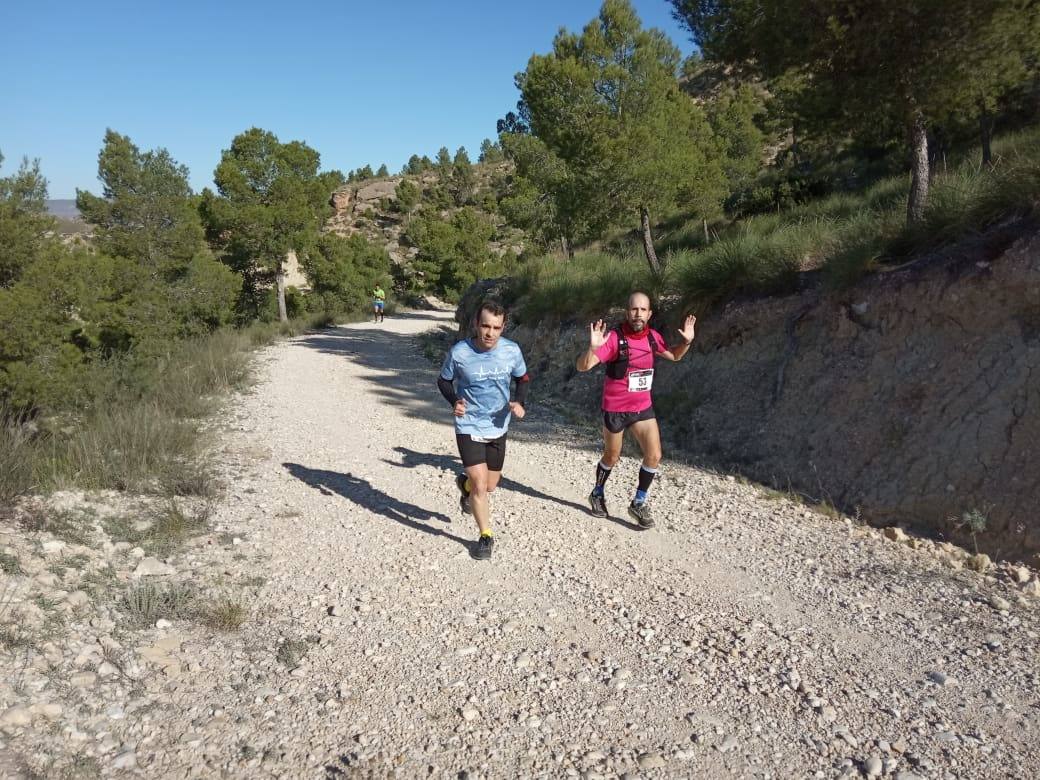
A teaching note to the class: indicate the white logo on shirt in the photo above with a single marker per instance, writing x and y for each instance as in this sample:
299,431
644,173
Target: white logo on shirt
484,373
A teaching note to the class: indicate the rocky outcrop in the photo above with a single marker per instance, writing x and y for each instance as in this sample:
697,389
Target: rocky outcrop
911,401
368,208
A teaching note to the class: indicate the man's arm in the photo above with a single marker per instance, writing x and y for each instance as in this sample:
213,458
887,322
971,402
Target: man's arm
675,354
519,402
447,388
520,393
597,338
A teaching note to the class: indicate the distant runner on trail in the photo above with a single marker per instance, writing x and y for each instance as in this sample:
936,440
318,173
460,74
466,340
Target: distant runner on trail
628,351
378,303
475,380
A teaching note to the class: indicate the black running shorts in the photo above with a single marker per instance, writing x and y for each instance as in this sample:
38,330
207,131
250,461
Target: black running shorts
616,422
489,451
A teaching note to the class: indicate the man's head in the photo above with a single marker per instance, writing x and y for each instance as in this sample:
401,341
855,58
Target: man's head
491,318
637,311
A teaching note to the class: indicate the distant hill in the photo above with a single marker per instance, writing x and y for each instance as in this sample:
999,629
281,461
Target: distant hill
63,209
70,223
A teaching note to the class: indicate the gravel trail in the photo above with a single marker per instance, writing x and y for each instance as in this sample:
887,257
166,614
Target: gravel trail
746,636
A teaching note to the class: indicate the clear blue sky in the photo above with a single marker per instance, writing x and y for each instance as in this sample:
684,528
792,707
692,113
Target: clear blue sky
361,82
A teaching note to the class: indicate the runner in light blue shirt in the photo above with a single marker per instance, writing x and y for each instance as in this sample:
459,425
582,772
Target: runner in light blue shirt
475,380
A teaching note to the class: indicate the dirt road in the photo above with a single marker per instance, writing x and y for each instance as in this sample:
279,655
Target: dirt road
746,636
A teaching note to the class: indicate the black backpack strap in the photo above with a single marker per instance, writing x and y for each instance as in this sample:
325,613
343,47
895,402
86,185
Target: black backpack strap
618,368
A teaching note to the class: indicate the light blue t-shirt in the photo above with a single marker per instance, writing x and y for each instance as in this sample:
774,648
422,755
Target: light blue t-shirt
482,380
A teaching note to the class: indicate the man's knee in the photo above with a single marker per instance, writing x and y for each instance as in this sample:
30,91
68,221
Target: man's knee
478,484
610,458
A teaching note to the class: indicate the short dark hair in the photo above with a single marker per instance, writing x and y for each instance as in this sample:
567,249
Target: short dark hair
492,306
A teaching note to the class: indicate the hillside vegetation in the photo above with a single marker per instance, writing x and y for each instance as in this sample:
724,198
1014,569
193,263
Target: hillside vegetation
769,161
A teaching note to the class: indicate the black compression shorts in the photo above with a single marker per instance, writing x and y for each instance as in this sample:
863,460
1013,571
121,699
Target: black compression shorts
616,422
477,451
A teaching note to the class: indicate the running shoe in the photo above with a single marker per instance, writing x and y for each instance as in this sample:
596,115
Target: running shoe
598,504
483,547
464,505
641,514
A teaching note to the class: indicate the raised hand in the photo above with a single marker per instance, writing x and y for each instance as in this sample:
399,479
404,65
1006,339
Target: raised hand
460,408
686,331
597,334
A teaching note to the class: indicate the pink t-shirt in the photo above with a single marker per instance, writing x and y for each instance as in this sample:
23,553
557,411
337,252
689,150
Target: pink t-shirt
622,395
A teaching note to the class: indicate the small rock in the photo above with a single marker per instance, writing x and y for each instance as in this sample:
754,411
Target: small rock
998,603
829,714
467,651
651,761
153,567
939,678
470,713
163,623
15,717
77,598
895,533
105,670
849,740
1020,574
50,710
52,547
127,760
979,562
83,680
1032,588
727,744
873,767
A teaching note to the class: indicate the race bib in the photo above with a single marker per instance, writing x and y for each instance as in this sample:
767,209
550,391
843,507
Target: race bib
640,381
479,439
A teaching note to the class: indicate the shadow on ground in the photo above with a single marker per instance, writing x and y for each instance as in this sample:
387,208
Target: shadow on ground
361,492
411,459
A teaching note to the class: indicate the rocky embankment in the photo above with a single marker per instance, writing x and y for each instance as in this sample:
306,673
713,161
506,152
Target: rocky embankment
912,400
323,618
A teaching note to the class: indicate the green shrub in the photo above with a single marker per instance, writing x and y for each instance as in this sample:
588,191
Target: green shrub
752,263
589,285
159,532
16,472
223,614
148,602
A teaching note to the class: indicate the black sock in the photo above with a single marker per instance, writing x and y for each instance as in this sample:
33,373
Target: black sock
646,478
602,473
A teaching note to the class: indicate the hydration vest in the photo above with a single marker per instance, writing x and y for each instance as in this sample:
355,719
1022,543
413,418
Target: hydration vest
618,368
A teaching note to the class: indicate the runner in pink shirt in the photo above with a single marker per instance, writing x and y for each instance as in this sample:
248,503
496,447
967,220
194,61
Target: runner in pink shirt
628,352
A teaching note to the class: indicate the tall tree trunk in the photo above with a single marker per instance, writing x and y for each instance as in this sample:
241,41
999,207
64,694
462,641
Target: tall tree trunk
566,246
986,136
919,171
707,238
279,281
648,241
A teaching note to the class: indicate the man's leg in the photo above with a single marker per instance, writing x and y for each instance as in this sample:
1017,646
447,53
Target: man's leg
648,436
479,481
611,455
